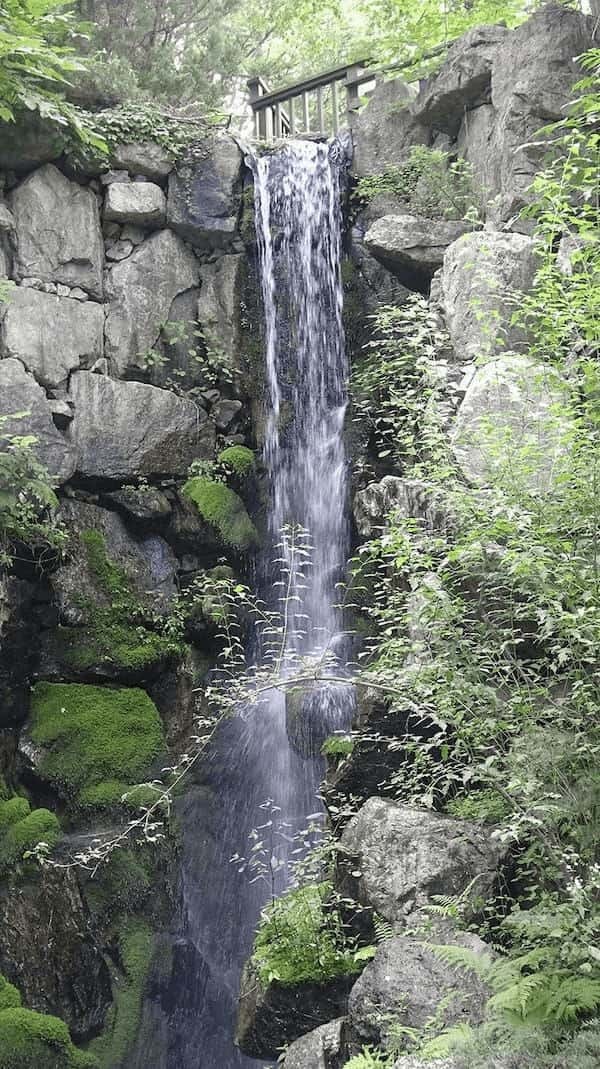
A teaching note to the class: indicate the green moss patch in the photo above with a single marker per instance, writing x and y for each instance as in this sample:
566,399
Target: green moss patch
94,734
9,996
12,810
22,830
31,1040
136,949
299,942
239,459
337,746
221,507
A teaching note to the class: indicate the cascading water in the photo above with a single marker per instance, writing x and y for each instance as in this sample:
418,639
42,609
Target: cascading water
257,755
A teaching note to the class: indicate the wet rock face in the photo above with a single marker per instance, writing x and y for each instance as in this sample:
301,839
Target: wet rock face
123,429
46,950
406,855
58,231
405,985
205,195
19,648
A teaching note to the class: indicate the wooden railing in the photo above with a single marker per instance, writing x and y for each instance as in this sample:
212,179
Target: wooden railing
317,106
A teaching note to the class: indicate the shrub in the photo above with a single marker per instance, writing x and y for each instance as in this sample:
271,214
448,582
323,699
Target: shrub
94,734
431,183
221,507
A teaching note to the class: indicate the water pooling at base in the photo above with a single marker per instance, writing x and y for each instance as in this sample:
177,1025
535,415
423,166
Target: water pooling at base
266,753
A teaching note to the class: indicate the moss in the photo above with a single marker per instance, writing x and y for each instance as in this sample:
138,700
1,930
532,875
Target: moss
40,826
239,458
31,1040
9,995
93,734
337,746
109,576
298,942
112,792
136,948
121,885
221,507
12,810
4,790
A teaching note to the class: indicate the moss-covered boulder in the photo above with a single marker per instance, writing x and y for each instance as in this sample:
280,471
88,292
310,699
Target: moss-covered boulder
30,1040
238,459
136,947
224,511
94,743
30,831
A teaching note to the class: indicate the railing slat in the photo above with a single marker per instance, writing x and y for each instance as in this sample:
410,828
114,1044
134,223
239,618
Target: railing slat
320,117
306,111
292,116
335,107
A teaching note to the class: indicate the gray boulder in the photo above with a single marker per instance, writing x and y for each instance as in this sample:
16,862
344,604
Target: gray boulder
29,142
399,856
319,1049
475,145
19,392
513,423
205,194
532,80
219,308
406,498
141,203
141,506
411,242
58,231
483,275
148,563
7,235
51,335
124,429
141,290
144,157
406,986
463,80
384,131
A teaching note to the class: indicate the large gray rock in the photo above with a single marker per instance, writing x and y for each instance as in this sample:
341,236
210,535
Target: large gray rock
219,307
475,145
7,236
205,194
58,231
513,424
319,1049
384,131
30,141
532,80
51,335
411,242
462,82
407,985
149,564
140,203
19,392
145,158
141,290
121,429
400,856
483,275
404,498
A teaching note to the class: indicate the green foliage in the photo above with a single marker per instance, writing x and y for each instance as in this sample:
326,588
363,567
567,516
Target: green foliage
221,507
431,183
371,1059
94,734
337,746
300,941
136,946
12,810
485,805
10,997
238,459
27,495
31,1040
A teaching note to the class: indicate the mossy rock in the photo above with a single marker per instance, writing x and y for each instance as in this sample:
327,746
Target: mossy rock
136,947
10,997
12,810
92,735
221,508
239,459
39,826
121,885
30,1040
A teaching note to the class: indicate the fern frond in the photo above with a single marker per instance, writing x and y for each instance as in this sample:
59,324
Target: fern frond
462,958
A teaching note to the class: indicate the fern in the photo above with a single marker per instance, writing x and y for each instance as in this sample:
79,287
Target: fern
383,929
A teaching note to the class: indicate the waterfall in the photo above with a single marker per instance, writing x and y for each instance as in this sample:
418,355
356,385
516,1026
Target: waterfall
264,753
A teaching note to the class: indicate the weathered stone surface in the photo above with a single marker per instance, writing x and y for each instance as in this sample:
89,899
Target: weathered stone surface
405,498
219,307
141,203
148,563
19,392
320,1049
121,429
18,640
407,985
271,1016
58,231
385,130
532,80
411,242
474,143
51,335
141,506
63,972
143,157
405,855
205,194
482,276
141,290
29,141
512,419
463,80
